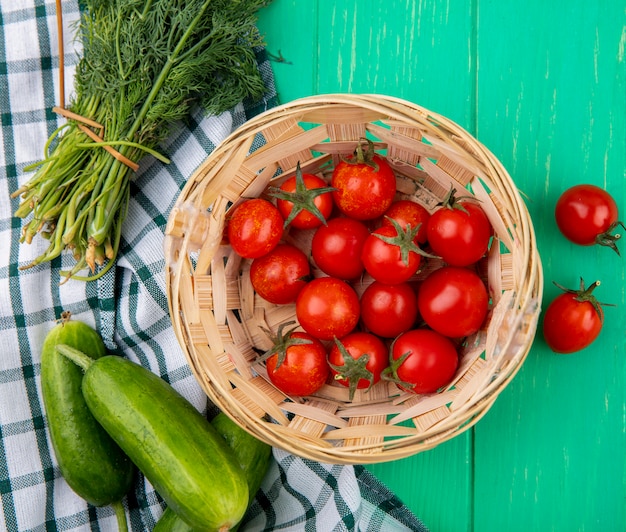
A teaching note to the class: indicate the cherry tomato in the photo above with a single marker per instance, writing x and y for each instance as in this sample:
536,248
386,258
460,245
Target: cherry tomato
364,184
587,215
297,364
388,309
390,254
336,247
459,232
453,301
327,307
407,212
254,228
422,361
304,200
357,360
278,276
573,320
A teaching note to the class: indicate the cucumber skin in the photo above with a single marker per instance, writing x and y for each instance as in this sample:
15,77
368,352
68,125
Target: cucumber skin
180,453
253,456
90,461
170,522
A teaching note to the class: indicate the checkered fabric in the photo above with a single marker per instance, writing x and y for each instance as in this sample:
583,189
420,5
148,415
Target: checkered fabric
127,306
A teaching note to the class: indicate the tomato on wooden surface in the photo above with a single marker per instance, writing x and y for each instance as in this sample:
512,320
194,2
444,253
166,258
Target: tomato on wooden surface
587,215
278,276
304,200
459,231
391,255
297,363
357,360
364,183
336,247
573,320
422,361
407,212
254,228
453,301
388,309
327,307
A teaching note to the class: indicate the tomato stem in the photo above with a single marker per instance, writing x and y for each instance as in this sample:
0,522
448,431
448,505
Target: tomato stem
282,342
608,239
363,157
405,240
390,373
583,295
353,369
451,201
302,199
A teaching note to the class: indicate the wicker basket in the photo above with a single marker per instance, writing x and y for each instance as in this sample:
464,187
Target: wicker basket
218,318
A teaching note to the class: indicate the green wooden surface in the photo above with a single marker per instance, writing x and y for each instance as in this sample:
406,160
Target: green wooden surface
543,85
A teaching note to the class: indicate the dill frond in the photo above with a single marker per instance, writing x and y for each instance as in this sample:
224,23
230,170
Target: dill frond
145,65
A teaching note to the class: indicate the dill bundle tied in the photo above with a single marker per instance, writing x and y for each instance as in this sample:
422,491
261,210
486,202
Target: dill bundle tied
145,64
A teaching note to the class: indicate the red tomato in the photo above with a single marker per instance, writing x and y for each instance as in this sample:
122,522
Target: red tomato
357,360
587,215
255,228
407,212
336,247
573,320
278,276
390,256
327,307
453,301
422,361
297,364
304,200
364,183
459,233
388,309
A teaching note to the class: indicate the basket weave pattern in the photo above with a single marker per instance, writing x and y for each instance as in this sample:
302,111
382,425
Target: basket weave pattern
219,320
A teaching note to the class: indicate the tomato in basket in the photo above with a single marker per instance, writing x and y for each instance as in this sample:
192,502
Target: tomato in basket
388,309
407,212
336,247
327,307
391,254
304,200
459,231
364,183
297,362
278,276
422,361
357,360
254,228
453,301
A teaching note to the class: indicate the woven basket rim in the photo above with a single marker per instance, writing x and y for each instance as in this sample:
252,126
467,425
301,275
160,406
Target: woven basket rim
192,243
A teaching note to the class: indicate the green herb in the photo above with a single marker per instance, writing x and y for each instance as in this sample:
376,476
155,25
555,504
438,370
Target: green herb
145,65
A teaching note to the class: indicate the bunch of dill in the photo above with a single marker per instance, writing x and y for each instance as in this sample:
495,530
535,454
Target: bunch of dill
145,64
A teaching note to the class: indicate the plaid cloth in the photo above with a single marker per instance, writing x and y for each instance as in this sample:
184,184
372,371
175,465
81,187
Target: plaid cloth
127,306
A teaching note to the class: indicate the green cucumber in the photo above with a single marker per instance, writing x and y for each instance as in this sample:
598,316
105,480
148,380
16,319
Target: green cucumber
253,456
91,462
170,522
180,453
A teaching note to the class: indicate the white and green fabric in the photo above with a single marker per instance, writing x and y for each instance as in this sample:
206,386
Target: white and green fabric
128,307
